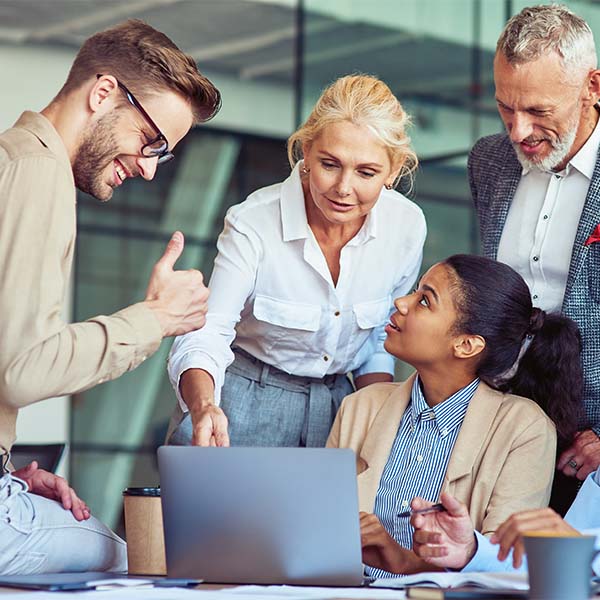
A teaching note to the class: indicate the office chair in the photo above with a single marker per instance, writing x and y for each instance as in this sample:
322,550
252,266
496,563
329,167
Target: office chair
47,455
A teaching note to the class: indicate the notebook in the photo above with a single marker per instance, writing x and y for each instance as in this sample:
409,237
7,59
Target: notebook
261,515
464,593
443,579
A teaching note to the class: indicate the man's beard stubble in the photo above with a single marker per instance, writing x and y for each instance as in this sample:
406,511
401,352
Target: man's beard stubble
97,150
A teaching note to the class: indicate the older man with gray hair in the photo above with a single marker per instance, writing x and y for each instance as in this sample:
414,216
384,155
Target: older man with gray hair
536,189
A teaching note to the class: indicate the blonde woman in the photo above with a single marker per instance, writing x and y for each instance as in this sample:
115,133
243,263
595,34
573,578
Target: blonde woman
304,281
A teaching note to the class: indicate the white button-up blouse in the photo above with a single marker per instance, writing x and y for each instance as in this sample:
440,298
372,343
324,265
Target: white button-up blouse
272,292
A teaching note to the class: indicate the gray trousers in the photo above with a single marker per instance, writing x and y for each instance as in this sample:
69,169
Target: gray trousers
268,407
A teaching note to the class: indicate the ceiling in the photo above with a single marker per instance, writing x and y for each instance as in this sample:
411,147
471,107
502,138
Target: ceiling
257,41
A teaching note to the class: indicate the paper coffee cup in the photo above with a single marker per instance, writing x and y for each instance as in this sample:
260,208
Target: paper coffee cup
144,531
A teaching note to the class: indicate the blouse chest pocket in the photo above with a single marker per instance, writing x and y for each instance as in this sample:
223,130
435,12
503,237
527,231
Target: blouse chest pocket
289,315
372,314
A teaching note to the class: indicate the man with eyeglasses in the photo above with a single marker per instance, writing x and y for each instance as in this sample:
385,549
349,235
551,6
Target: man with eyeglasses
130,97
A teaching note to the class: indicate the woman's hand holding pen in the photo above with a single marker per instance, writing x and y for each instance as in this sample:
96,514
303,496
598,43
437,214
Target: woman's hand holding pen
443,537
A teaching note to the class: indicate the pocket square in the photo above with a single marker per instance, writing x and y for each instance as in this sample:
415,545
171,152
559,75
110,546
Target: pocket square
595,237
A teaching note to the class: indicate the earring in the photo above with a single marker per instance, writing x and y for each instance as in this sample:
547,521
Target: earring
304,170
389,186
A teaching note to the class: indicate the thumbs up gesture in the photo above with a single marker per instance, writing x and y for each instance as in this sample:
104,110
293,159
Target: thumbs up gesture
178,298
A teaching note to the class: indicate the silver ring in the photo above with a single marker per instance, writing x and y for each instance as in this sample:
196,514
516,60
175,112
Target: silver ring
572,464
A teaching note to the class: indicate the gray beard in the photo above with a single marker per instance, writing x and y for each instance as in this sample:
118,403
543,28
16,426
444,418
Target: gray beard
560,150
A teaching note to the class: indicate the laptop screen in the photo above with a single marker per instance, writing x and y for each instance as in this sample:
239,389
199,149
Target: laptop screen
261,515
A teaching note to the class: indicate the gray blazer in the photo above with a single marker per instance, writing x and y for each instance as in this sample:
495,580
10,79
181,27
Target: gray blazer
494,173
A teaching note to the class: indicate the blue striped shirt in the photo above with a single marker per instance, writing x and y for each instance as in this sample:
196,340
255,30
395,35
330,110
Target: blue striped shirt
418,460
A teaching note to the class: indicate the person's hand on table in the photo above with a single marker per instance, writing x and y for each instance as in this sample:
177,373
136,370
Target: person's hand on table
209,426
509,534
582,457
52,486
444,539
379,548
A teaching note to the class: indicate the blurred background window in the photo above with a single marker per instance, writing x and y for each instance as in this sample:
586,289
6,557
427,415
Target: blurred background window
271,60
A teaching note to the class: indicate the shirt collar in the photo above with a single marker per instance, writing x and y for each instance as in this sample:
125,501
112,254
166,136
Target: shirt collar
40,126
449,414
585,160
293,213
369,229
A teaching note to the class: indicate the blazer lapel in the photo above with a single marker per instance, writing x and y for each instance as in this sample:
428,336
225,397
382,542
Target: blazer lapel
378,443
590,217
479,418
502,196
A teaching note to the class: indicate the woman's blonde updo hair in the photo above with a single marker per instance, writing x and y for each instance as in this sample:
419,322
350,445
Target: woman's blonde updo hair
366,101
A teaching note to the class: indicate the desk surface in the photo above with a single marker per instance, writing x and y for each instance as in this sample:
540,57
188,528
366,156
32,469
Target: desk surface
213,591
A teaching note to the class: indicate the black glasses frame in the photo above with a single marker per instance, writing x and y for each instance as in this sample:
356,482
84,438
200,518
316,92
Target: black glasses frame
156,147
4,460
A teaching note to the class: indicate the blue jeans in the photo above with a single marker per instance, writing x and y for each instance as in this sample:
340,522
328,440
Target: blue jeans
38,535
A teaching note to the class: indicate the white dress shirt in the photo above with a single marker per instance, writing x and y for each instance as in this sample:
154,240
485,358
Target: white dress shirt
583,515
272,292
537,240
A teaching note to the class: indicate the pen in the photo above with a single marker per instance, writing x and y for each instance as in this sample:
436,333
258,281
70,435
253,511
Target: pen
423,511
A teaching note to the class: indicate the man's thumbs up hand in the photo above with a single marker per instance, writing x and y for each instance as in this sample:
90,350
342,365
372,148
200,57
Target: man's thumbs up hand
172,252
178,298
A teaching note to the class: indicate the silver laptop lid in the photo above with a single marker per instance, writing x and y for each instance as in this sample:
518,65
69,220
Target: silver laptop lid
261,515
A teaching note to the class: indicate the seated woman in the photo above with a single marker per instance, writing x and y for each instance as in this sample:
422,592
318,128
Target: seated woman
470,331
304,281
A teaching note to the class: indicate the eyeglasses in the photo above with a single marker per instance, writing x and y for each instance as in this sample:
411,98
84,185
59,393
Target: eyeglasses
157,146
4,460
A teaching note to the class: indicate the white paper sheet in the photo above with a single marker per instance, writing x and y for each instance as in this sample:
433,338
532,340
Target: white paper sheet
292,592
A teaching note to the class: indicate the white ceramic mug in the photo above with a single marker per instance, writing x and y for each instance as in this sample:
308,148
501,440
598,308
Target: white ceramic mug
560,566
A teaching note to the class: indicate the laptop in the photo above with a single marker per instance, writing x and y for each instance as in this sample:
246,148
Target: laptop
261,515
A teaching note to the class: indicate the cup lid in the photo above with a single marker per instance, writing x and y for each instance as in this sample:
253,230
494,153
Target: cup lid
142,491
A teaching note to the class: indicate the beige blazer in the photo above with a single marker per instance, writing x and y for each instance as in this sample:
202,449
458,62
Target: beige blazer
502,462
